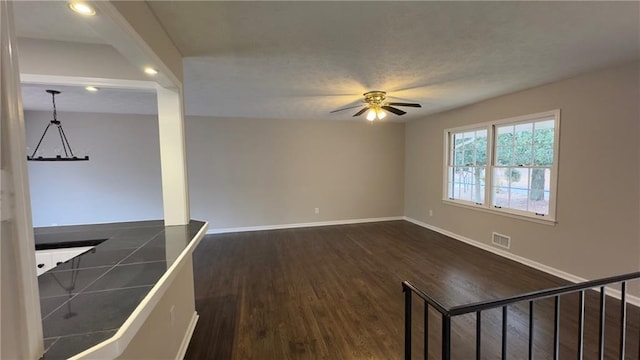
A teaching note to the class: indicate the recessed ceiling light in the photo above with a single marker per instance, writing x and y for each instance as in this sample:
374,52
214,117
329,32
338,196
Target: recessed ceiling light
150,71
82,8
91,88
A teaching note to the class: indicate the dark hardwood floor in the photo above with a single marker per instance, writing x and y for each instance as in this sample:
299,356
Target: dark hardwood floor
335,293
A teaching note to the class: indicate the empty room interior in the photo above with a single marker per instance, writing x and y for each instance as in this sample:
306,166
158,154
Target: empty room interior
320,180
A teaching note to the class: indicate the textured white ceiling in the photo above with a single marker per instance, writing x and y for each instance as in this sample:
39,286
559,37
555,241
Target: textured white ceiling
77,99
303,59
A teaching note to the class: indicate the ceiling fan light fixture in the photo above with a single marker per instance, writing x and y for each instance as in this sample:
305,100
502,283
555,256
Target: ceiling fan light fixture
376,106
371,115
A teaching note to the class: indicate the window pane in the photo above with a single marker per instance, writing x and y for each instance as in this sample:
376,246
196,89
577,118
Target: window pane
468,183
540,206
450,182
501,196
464,187
478,185
458,157
519,188
543,135
523,155
481,147
512,176
545,124
503,156
547,180
499,177
468,137
518,198
543,142
539,193
505,133
543,155
538,183
456,191
524,133
469,155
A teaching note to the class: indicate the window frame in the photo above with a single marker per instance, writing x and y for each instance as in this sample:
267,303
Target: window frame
491,165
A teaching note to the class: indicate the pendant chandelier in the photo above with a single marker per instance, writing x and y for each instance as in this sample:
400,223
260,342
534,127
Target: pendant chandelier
68,153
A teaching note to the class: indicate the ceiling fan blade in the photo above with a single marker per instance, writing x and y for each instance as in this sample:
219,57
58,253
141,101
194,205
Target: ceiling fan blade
393,110
404,104
347,108
360,112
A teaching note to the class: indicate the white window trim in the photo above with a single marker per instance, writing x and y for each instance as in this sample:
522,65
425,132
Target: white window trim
549,219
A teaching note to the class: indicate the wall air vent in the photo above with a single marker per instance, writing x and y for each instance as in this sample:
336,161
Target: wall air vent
501,240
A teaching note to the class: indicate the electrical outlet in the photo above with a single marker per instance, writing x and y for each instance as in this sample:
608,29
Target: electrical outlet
430,212
172,316
317,210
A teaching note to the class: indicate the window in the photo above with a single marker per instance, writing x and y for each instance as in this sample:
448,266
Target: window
468,165
507,166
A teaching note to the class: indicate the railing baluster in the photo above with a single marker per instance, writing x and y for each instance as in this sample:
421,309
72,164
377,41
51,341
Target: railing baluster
449,312
426,330
603,318
478,333
504,333
556,329
623,319
407,323
581,326
531,330
446,337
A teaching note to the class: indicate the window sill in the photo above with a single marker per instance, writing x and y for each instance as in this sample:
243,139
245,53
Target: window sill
549,221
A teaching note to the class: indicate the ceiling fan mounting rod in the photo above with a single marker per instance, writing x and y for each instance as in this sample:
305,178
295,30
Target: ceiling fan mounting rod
375,97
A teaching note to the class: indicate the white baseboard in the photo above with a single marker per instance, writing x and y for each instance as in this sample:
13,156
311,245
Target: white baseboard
302,225
184,345
533,264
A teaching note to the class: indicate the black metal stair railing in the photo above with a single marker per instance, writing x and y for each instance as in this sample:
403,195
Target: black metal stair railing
448,313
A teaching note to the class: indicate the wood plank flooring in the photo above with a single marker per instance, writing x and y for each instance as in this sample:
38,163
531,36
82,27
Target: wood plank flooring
335,293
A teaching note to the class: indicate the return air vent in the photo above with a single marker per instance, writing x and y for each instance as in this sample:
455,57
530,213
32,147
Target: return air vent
501,240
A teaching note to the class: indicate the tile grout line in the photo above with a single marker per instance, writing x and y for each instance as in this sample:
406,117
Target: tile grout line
78,334
101,276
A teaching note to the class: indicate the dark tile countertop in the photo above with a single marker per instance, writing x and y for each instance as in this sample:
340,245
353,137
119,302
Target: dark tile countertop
86,299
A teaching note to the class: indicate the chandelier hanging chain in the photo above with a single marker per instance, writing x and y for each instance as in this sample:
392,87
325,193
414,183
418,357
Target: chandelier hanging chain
40,142
63,137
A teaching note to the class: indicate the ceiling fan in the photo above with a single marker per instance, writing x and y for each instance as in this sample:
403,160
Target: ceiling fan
374,101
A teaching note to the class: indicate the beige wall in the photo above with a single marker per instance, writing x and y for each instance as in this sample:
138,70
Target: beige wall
246,172
120,182
158,338
598,199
